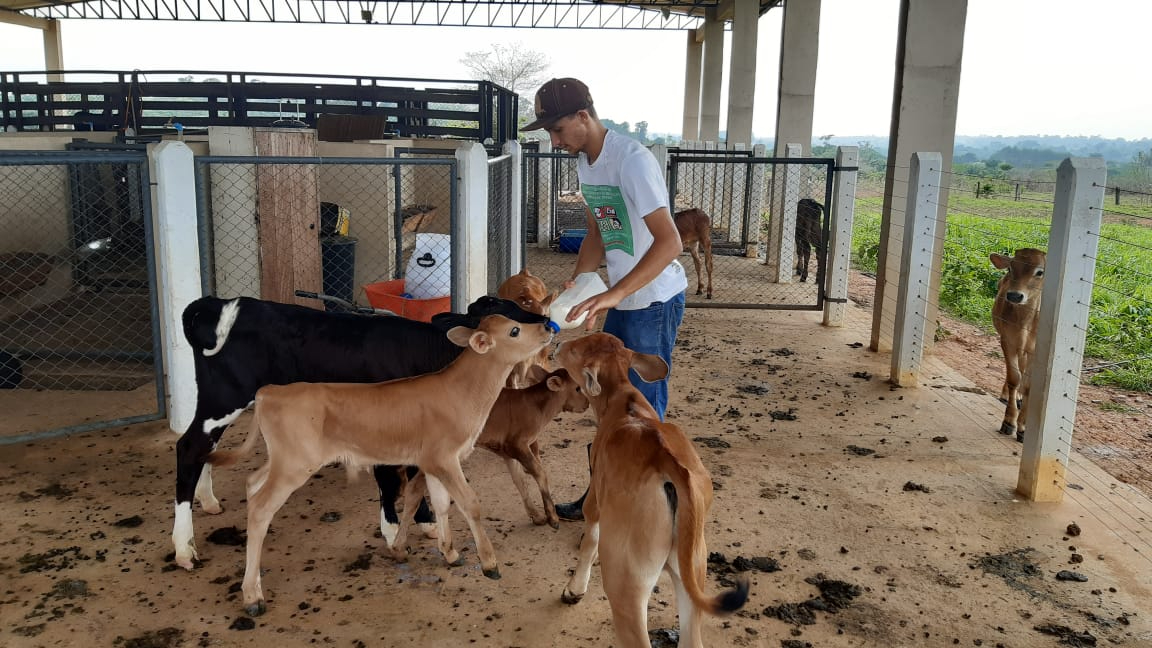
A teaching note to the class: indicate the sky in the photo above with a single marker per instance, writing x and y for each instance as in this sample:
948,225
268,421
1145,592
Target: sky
1031,67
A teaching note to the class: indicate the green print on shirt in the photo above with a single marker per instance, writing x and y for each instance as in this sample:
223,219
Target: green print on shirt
607,205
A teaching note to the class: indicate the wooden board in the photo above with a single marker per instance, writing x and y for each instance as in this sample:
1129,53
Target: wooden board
288,212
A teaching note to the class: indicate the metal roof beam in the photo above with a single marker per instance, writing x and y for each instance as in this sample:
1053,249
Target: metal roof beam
560,14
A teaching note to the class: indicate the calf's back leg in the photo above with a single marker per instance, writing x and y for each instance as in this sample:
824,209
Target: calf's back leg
191,450
389,482
263,503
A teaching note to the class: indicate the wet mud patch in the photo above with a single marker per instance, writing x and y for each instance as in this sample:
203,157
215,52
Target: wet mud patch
228,536
163,638
835,595
1016,567
57,491
57,559
664,638
1067,636
726,571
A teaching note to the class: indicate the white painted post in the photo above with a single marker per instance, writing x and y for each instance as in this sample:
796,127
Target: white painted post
470,234
544,193
735,176
178,270
842,212
756,203
782,246
920,217
516,238
1055,365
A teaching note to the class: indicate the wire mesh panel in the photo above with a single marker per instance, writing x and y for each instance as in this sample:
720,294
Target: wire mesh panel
353,230
78,311
500,198
766,224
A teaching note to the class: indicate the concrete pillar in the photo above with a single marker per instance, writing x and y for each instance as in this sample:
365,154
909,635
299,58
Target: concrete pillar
712,76
925,94
178,269
920,215
517,240
742,71
1064,308
800,45
470,232
53,49
694,53
842,214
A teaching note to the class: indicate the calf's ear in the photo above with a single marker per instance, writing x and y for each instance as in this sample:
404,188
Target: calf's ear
555,383
591,384
999,260
460,335
649,367
480,342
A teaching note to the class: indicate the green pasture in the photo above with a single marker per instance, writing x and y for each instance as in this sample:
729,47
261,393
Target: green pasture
1119,338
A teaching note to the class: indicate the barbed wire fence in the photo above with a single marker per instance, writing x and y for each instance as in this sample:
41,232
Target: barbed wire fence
971,227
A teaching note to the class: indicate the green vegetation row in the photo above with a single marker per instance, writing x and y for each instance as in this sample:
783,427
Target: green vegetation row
1120,319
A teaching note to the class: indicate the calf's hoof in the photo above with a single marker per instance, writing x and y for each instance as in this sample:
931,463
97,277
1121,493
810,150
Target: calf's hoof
570,598
1020,435
255,609
555,524
1007,428
493,573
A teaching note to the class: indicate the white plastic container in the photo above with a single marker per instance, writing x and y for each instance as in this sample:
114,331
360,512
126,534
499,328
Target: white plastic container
585,285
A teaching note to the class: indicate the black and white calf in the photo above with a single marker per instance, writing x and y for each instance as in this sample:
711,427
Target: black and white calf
242,344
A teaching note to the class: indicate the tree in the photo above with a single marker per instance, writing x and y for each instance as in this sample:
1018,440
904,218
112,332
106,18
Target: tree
512,66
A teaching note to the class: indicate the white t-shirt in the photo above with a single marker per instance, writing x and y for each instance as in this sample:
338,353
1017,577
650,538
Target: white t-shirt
624,185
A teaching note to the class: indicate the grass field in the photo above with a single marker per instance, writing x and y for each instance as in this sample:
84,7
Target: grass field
1119,339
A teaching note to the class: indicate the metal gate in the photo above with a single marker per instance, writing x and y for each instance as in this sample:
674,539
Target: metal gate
752,205
79,325
757,226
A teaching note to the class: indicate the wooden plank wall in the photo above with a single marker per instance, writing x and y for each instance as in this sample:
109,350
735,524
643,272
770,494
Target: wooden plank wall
288,211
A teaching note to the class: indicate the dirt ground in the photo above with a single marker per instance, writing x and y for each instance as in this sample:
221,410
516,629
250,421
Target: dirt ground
863,514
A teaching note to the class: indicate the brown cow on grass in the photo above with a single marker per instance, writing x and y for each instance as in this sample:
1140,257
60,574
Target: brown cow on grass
1015,314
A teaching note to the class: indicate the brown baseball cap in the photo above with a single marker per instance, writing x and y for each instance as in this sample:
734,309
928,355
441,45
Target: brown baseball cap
559,98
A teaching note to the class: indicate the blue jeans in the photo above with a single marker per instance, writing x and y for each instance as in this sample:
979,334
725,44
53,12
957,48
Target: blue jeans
649,330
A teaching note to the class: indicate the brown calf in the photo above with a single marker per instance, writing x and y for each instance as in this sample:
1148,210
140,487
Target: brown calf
530,294
647,501
430,421
695,229
1015,314
512,432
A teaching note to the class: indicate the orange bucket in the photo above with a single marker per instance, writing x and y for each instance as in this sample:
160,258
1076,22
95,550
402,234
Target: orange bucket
387,295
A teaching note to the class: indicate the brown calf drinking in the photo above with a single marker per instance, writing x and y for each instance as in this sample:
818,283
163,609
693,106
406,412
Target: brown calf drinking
430,421
530,294
695,228
648,500
512,432
1015,314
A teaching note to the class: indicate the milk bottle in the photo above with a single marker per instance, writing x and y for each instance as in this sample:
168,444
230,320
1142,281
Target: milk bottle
584,286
